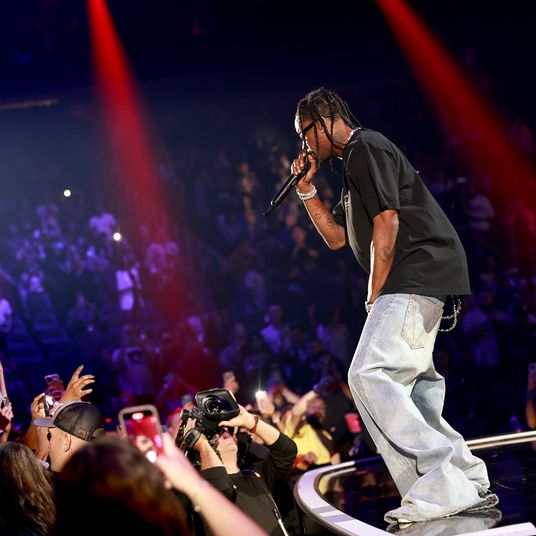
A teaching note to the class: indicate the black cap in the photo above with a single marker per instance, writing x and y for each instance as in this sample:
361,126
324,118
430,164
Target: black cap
77,418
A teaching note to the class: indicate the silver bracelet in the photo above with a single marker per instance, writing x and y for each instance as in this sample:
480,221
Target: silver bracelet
308,195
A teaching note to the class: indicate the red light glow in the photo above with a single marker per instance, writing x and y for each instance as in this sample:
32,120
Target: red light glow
469,117
126,128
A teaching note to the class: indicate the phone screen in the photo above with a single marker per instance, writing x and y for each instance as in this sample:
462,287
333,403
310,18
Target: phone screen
48,402
55,387
353,423
261,396
143,428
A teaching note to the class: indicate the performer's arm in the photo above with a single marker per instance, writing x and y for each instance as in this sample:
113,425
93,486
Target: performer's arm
382,251
332,233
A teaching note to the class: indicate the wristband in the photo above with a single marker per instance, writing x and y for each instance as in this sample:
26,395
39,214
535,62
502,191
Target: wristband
254,429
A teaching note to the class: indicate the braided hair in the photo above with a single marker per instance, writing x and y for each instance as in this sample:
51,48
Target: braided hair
322,103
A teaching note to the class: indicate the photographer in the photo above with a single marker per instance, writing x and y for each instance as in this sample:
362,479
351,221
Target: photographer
251,490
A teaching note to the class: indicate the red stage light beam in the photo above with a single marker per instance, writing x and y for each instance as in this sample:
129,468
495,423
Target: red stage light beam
126,128
470,118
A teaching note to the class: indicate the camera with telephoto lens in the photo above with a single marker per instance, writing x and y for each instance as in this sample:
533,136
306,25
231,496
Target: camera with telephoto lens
213,406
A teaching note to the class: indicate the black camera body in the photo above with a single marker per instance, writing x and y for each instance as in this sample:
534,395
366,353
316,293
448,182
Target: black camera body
213,407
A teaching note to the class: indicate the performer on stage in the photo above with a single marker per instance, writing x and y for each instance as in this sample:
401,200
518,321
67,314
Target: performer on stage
402,238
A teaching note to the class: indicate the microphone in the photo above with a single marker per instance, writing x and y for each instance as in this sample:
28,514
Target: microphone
285,189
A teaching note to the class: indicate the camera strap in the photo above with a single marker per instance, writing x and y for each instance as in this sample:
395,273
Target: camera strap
191,438
275,511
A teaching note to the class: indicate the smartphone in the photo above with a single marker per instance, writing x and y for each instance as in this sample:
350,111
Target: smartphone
55,387
261,397
353,423
48,402
142,426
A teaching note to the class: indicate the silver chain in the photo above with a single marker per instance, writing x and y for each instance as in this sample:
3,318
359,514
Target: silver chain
457,308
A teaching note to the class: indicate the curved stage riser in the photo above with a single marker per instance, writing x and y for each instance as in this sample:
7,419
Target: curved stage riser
352,498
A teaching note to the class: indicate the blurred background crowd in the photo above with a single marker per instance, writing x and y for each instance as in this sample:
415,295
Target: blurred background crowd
209,292
158,316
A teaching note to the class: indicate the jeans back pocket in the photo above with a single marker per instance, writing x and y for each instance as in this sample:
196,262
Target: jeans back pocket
422,314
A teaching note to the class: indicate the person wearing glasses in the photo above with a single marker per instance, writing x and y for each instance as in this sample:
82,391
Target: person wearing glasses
415,261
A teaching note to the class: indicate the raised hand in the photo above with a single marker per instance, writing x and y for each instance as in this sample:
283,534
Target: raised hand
6,416
176,467
75,388
37,407
243,420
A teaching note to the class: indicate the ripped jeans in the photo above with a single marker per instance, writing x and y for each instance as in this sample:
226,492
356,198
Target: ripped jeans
400,397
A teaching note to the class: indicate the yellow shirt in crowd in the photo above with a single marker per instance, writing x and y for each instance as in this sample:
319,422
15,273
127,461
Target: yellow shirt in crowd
307,440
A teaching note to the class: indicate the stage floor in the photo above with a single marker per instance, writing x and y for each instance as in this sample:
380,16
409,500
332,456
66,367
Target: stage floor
364,491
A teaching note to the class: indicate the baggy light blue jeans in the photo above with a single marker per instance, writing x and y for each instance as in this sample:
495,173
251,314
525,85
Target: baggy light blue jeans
400,397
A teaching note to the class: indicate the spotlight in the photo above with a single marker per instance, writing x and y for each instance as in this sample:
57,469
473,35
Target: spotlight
117,237
67,193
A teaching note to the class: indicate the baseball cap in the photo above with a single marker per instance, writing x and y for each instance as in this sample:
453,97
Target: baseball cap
77,418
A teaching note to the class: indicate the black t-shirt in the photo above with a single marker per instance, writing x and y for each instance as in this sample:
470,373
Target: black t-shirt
429,257
251,490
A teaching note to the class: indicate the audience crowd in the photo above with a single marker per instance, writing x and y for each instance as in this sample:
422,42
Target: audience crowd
254,304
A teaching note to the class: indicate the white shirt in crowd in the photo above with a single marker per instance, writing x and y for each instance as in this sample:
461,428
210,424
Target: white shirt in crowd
5,315
103,223
277,338
126,283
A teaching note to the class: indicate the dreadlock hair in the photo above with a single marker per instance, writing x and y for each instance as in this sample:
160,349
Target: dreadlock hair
322,103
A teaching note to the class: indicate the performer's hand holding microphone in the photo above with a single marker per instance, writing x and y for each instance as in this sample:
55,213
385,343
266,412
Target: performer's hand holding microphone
297,167
303,170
